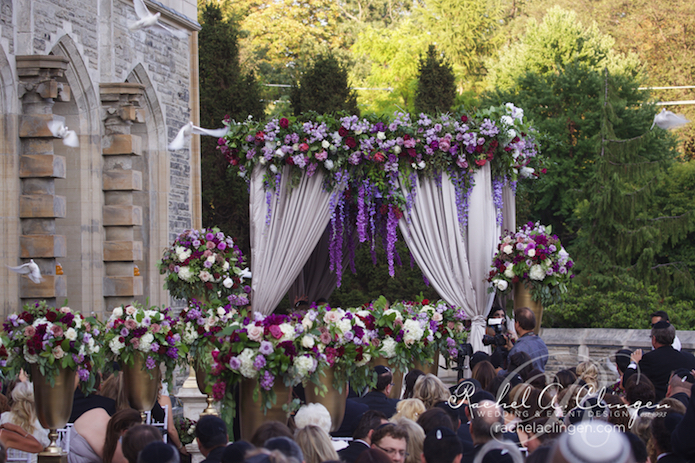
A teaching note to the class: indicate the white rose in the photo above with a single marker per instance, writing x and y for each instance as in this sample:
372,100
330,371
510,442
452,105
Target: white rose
304,365
295,147
507,120
273,169
307,342
526,172
509,271
228,283
388,348
344,325
412,332
130,310
329,164
325,144
225,266
287,332
204,276
421,165
397,149
502,285
537,273
71,334
211,259
146,342
437,317
247,357
381,135
221,312
185,273
117,312
508,249
279,153
116,346
531,253
511,133
263,161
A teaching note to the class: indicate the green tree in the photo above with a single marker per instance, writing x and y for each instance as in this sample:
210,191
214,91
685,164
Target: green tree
324,88
436,84
225,90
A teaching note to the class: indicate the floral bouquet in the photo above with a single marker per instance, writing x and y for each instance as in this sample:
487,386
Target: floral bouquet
205,264
446,324
199,325
185,428
52,338
151,333
261,348
340,340
534,257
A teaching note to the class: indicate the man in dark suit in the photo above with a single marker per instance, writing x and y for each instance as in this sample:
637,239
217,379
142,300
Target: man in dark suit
378,398
211,436
362,438
680,385
487,423
353,414
661,428
658,364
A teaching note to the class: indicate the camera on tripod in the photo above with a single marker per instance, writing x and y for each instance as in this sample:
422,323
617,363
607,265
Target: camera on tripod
500,328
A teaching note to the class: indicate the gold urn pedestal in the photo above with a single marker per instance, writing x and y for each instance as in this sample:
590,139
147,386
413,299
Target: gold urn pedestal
201,380
397,376
53,408
522,298
141,385
333,400
251,414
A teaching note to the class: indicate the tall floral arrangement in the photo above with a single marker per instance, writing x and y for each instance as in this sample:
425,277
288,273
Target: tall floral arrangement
340,340
376,162
447,325
387,325
52,338
206,264
151,333
535,257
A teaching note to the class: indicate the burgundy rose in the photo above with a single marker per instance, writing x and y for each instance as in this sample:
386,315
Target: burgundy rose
284,123
464,118
51,316
342,131
350,141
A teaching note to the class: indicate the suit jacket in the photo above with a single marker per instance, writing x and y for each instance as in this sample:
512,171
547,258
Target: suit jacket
353,414
672,458
682,441
493,456
657,365
378,401
350,453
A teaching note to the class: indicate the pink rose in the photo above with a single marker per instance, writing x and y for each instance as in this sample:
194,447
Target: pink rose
207,253
255,333
275,331
210,245
29,331
332,316
65,309
155,327
130,324
135,342
130,310
325,338
57,331
322,156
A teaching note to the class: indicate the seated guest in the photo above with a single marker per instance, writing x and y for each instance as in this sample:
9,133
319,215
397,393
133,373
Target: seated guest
315,444
592,442
484,373
539,432
679,386
361,439
640,394
435,418
431,390
23,414
211,436
442,446
134,440
409,381
565,379
378,398
682,440
284,445
268,430
658,364
661,428
393,440
313,414
588,371
622,361
236,452
416,439
373,456
487,424
116,428
353,414
409,408
159,452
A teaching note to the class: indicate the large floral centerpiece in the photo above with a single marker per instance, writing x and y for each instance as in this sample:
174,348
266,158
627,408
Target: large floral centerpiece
263,349
52,338
339,340
532,256
447,325
373,164
199,325
151,334
205,264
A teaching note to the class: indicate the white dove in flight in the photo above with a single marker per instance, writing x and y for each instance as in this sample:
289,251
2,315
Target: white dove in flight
667,120
180,141
29,269
59,130
147,19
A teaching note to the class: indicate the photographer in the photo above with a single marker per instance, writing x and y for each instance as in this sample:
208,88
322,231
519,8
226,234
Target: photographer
498,336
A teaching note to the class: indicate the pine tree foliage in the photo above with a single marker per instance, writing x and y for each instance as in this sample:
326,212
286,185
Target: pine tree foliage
436,87
619,234
225,90
324,88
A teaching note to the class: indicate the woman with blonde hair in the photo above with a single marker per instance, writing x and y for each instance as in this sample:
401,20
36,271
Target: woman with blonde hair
409,408
588,371
431,390
315,444
23,413
416,439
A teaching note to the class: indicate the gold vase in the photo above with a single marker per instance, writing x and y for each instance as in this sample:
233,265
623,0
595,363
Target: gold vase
333,400
251,415
201,380
53,404
397,376
141,385
427,368
522,298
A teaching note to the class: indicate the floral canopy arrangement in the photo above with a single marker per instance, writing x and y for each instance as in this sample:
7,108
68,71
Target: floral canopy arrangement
532,256
373,164
205,264
52,338
150,333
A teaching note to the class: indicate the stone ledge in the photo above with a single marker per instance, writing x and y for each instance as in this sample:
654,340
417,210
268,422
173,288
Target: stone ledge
122,180
122,251
123,286
35,125
122,215
42,165
42,206
42,246
121,143
51,286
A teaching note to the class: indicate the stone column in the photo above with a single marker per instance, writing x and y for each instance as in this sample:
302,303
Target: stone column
120,110
41,84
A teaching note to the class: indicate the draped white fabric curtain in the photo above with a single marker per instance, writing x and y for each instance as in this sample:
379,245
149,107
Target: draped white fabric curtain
279,249
456,264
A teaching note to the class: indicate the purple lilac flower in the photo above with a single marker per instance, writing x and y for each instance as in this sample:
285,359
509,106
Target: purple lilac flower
154,347
267,381
259,362
173,353
497,198
83,374
150,363
266,348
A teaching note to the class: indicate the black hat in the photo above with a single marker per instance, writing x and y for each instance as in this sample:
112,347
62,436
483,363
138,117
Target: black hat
286,446
158,452
381,369
236,452
441,444
660,325
685,375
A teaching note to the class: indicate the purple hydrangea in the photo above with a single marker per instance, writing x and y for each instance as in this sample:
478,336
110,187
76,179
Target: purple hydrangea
234,363
150,363
259,362
267,381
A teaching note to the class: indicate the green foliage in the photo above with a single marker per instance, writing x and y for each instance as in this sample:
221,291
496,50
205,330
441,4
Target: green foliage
225,90
324,88
436,86
626,305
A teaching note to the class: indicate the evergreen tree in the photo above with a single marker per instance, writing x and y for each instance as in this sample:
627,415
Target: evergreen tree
436,84
323,88
225,90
